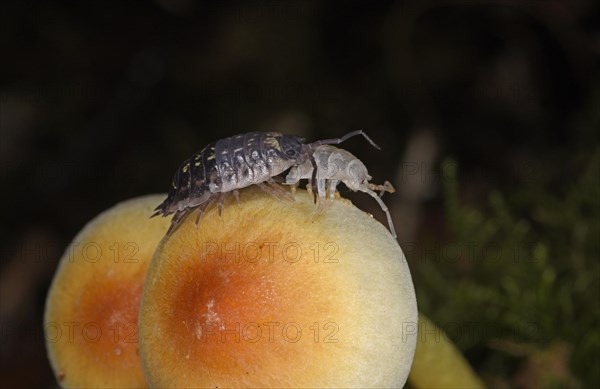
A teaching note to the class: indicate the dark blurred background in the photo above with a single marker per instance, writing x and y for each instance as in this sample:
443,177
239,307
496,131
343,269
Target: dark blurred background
487,112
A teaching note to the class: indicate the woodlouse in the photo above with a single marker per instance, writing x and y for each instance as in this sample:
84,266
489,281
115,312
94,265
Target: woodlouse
236,162
335,165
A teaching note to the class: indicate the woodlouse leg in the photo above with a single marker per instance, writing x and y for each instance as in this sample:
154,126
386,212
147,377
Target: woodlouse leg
322,188
292,180
320,200
277,188
221,200
236,193
267,189
177,219
202,208
309,187
273,189
332,188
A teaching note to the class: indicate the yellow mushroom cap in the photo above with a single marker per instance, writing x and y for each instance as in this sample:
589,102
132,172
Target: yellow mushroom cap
92,307
278,294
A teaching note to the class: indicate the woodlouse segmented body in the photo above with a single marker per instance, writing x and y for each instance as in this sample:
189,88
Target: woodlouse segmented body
336,165
234,163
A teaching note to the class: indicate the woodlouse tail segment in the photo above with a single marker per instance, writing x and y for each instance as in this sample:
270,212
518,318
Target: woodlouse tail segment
337,141
160,210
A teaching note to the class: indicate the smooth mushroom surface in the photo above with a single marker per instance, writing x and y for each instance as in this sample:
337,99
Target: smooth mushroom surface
91,316
439,363
278,293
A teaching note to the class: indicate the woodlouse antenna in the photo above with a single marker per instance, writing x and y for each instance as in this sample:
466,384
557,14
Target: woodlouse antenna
386,187
384,208
337,141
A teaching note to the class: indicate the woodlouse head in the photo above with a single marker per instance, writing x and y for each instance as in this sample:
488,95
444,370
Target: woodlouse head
292,147
358,176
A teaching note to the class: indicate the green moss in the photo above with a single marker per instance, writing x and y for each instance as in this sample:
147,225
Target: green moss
520,279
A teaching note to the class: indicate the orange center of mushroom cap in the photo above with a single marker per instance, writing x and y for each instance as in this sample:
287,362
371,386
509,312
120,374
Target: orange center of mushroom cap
94,332
96,336
265,295
92,309
107,314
